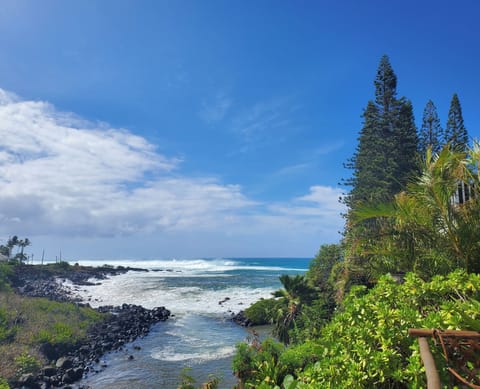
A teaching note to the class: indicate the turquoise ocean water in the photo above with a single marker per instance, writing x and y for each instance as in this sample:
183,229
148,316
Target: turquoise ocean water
200,335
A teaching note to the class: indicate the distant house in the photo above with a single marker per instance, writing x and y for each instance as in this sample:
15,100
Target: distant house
3,258
464,193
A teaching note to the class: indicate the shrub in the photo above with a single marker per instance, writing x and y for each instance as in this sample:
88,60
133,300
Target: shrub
366,344
26,364
61,333
5,272
4,383
264,311
7,331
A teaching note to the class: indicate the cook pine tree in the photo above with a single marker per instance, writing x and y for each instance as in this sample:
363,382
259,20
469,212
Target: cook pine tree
431,133
386,154
456,135
384,161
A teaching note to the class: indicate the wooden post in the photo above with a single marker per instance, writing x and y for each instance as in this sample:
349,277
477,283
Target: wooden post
433,379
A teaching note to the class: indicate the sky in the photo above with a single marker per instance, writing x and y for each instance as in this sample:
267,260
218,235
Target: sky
186,129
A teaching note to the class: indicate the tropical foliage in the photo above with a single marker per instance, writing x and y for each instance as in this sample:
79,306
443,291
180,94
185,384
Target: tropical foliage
13,242
295,293
433,226
410,258
366,344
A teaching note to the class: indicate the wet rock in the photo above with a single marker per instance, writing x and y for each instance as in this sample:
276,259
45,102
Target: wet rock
49,371
64,363
28,381
124,324
241,319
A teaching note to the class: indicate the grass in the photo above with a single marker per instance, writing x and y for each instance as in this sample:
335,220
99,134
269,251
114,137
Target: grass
27,322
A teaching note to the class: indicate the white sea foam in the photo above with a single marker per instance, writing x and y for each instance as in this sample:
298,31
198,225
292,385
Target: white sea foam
176,267
150,290
171,355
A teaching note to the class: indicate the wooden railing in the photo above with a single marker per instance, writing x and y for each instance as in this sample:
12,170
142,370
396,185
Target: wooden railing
461,350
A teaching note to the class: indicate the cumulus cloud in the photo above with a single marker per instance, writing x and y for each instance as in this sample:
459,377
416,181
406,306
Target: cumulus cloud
61,175
320,207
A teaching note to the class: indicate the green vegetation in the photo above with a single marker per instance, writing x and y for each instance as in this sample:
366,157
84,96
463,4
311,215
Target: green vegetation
410,258
425,229
28,323
366,344
386,154
455,132
26,364
11,244
188,382
264,311
431,133
5,272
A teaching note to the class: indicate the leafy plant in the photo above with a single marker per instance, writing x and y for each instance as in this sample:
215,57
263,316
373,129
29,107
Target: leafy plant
427,229
26,364
5,272
264,311
366,344
59,333
187,381
4,383
7,331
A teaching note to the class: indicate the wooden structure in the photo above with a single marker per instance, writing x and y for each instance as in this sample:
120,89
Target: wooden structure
461,350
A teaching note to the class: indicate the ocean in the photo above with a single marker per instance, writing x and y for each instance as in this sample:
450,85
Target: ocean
201,294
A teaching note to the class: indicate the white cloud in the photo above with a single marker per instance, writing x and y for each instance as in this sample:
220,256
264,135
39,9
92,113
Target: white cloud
320,206
64,176
61,174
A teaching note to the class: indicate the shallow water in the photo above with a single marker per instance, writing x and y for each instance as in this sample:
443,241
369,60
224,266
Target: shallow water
199,335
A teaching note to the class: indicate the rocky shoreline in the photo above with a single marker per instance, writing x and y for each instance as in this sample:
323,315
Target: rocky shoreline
123,325
47,281
241,319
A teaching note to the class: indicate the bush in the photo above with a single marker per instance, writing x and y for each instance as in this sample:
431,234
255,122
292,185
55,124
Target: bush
26,364
297,357
7,331
61,333
5,272
264,311
4,383
366,344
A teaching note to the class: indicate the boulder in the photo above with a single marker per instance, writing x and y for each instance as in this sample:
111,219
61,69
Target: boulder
64,363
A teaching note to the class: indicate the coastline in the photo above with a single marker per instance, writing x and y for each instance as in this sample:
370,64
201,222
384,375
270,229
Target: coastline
121,324
206,294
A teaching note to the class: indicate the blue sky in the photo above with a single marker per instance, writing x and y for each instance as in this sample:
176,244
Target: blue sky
205,128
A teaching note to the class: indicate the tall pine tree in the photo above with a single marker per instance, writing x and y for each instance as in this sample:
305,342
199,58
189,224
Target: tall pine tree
455,132
385,157
431,130
383,162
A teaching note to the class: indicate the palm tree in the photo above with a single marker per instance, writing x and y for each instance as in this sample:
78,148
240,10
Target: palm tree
295,293
11,243
429,228
23,243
